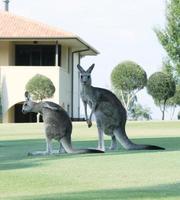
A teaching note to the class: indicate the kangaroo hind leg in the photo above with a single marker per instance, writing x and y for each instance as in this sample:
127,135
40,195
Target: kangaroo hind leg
101,145
43,153
113,145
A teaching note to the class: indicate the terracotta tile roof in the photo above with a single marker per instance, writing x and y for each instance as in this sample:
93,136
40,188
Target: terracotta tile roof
13,26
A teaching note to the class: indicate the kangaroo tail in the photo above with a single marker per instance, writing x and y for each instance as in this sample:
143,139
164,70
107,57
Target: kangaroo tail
129,145
144,147
68,148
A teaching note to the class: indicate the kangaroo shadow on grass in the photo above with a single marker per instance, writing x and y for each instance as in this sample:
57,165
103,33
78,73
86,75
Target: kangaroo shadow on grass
169,143
164,191
13,153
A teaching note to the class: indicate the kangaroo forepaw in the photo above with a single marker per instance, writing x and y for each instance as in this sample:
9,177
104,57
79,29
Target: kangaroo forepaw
89,123
29,154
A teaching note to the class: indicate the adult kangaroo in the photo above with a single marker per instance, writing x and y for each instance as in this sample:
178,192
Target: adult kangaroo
57,125
109,113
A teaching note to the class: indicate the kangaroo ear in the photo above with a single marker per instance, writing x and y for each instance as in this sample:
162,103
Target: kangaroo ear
54,108
27,95
90,68
80,68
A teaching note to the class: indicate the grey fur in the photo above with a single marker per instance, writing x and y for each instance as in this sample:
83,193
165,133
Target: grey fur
109,112
57,126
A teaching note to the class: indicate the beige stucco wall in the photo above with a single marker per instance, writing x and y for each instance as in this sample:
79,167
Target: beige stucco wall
13,80
8,117
4,53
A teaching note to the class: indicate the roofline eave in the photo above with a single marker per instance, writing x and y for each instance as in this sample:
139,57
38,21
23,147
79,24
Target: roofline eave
89,47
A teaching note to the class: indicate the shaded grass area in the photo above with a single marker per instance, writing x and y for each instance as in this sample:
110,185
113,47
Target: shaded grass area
114,175
14,153
168,191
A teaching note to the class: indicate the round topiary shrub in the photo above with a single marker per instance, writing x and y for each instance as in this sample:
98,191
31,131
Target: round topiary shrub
40,87
128,76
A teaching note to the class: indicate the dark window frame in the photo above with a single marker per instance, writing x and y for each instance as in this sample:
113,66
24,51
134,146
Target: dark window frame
27,55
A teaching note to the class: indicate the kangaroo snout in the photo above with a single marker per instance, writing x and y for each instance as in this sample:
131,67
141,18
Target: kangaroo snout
23,111
84,82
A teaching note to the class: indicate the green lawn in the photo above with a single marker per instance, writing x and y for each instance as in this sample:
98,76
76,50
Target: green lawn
116,175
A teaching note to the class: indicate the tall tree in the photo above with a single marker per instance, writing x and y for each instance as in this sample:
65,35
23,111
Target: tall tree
174,101
169,37
127,79
161,87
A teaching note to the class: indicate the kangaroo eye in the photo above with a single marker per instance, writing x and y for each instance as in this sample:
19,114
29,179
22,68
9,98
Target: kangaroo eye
88,77
81,77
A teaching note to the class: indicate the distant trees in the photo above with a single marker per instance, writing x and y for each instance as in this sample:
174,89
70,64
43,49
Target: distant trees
40,87
127,79
138,112
161,87
178,115
174,101
169,37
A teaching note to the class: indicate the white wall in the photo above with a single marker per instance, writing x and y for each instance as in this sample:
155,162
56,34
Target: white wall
76,87
70,97
65,75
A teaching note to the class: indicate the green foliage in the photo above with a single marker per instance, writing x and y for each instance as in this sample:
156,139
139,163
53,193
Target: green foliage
175,100
177,95
161,87
128,76
168,67
127,79
40,87
178,115
138,112
169,37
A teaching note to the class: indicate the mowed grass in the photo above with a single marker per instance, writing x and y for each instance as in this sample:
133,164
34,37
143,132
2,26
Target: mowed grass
110,176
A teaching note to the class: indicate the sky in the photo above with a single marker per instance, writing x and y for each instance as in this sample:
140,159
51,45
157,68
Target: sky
119,29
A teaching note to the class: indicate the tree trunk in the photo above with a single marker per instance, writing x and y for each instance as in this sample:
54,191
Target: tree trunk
163,115
163,110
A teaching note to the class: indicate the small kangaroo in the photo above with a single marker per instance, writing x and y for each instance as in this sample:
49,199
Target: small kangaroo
57,125
109,113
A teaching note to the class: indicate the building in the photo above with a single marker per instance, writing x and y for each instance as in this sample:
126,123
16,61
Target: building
28,48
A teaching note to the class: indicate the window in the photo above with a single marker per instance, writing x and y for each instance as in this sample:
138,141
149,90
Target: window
36,55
